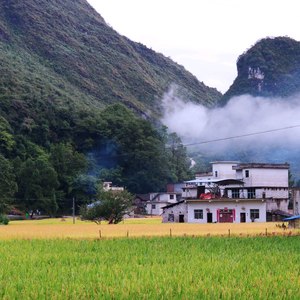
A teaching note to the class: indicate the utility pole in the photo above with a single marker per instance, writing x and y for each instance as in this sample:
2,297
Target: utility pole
73,210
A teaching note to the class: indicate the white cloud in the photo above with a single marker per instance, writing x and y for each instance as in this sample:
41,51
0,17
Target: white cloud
242,115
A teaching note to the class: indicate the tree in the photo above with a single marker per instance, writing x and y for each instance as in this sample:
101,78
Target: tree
110,206
68,165
8,186
38,182
178,158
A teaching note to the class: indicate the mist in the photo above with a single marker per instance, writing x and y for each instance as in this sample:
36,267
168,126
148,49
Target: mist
243,115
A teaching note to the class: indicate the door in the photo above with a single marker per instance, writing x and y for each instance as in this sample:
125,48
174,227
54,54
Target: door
181,218
226,217
243,217
200,190
209,217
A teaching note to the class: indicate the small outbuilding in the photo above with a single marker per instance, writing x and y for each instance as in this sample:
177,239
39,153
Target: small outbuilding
175,212
294,222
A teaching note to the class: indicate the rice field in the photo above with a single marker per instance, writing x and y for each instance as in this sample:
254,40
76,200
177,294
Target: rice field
50,259
143,227
151,268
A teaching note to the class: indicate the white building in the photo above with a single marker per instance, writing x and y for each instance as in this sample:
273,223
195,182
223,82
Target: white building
235,193
158,201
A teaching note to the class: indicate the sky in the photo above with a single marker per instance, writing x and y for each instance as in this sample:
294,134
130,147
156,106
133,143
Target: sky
204,36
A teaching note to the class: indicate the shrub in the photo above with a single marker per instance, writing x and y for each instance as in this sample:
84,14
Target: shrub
4,219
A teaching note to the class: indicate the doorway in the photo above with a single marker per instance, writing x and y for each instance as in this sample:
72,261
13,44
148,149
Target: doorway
243,217
181,218
209,217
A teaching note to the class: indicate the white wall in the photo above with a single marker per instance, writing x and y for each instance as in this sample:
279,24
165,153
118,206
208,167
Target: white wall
224,170
157,211
163,197
189,193
266,178
214,206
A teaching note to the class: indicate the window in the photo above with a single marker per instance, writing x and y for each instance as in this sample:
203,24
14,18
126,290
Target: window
171,197
153,206
254,214
235,193
246,173
198,213
251,193
216,173
171,217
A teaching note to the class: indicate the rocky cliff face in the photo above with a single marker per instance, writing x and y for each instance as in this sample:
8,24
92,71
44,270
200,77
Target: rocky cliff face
271,68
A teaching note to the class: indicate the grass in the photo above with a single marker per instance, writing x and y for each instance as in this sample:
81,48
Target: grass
151,268
51,259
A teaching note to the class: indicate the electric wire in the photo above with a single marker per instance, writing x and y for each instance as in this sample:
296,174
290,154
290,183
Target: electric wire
183,145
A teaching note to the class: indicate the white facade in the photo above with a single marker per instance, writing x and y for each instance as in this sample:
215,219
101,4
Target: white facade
223,169
264,177
238,193
159,200
236,211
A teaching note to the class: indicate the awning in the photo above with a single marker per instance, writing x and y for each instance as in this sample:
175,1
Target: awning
292,218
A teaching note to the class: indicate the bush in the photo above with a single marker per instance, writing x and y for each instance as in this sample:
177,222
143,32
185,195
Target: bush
4,219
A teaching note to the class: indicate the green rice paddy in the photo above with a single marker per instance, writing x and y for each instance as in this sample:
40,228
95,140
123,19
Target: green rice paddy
151,268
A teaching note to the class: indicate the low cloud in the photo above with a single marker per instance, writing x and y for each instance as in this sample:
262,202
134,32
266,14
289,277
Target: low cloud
243,115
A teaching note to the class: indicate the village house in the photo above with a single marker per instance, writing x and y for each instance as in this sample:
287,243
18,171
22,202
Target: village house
153,203
237,193
175,212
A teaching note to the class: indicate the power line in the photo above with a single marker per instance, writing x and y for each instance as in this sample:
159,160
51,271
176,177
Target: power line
184,145
240,136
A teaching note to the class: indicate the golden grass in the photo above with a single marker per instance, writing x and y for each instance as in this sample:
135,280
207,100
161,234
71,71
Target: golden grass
55,228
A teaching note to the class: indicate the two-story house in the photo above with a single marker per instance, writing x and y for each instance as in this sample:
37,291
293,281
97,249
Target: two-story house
236,193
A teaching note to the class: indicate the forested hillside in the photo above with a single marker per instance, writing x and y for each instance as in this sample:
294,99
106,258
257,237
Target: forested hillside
271,68
79,104
64,51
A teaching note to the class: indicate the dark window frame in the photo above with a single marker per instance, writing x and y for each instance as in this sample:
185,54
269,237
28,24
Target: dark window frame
198,214
254,213
250,193
235,193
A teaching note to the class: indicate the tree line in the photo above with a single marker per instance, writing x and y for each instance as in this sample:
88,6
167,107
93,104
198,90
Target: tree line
47,160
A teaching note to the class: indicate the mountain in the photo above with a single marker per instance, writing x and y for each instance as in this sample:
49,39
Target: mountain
271,68
63,54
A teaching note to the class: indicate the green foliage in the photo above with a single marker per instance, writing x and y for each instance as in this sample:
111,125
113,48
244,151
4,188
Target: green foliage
278,59
4,220
64,55
60,66
110,205
38,181
8,185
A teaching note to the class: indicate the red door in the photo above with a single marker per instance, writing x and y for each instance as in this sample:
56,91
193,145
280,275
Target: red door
226,217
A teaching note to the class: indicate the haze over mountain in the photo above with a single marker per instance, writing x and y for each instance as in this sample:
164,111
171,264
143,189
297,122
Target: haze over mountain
264,97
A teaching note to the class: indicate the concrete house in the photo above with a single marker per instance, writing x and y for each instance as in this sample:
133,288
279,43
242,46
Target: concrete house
238,193
153,203
158,201
175,213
